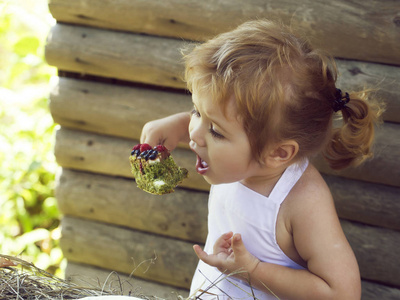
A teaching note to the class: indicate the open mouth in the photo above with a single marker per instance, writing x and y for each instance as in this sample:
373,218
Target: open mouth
201,166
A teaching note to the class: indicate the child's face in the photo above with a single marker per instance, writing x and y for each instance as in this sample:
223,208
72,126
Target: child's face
220,142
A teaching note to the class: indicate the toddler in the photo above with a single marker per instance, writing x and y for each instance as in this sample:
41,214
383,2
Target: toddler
264,102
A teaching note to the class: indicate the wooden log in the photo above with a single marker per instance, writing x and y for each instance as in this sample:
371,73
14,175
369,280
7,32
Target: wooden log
373,204
86,275
108,155
103,245
112,109
376,250
145,256
118,201
373,291
362,30
157,61
182,214
115,54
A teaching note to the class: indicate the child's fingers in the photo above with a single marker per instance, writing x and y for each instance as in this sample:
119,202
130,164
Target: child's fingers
237,243
200,253
228,235
223,242
238,246
208,259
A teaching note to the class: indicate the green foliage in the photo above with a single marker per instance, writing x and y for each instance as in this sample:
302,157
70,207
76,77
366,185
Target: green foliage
29,217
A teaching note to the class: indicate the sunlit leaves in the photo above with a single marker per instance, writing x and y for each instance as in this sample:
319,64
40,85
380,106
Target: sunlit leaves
29,218
27,45
24,25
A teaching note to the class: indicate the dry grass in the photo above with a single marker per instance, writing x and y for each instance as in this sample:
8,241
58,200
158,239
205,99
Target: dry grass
27,282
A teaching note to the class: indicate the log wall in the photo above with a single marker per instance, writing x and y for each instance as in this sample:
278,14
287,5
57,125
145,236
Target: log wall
120,66
343,27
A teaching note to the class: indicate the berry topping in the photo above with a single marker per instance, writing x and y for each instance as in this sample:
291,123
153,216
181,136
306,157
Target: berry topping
135,152
145,154
144,147
160,148
136,147
153,154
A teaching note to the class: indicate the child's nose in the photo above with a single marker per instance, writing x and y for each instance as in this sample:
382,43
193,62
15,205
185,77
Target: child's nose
197,133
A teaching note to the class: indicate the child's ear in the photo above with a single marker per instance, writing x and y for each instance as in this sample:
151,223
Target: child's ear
283,153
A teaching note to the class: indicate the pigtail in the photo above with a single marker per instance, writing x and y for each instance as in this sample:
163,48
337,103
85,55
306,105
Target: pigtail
351,144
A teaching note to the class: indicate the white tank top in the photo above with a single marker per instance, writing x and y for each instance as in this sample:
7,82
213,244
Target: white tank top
234,207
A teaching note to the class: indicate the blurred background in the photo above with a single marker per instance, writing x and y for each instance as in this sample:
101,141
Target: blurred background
29,219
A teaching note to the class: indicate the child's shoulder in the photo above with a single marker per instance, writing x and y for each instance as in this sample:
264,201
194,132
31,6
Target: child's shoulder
309,193
311,184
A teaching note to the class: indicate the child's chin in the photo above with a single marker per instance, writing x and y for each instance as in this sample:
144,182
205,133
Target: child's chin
215,181
210,180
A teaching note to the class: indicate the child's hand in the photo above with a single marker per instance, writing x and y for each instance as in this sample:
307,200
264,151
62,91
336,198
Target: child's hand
167,131
230,255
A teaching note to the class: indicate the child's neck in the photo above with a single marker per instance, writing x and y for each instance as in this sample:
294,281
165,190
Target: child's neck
264,182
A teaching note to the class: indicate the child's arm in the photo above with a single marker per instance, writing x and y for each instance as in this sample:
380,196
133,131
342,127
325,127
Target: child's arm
168,131
332,269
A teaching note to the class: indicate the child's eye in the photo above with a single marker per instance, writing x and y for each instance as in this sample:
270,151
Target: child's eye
215,134
194,112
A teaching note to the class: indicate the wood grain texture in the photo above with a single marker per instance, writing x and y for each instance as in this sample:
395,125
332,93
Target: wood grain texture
84,275
111,109
374,291
364,202
157,61
362,30
376,250
103,245
113,54
145,256
118,201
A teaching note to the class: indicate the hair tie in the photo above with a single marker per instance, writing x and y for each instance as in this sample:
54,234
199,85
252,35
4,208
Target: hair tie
340,101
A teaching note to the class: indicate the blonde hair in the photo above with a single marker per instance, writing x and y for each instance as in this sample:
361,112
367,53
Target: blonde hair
283,90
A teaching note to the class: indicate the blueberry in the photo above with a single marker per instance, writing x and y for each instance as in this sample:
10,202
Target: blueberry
146,155
153,155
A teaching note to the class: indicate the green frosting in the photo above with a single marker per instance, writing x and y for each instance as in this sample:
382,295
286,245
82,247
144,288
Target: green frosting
157,178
